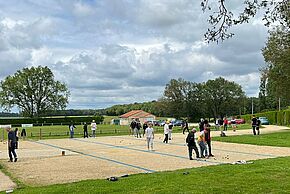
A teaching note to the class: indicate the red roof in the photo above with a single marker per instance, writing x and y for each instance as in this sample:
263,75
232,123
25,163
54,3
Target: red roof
136,114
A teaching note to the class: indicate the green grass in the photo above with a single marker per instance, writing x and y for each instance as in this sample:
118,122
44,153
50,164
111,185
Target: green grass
281,139
263,176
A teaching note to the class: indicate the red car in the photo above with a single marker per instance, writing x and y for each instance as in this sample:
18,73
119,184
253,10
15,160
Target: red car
240,121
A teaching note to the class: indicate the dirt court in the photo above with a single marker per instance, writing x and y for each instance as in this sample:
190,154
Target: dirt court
41,162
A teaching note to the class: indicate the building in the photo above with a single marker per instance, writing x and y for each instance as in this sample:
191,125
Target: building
143,116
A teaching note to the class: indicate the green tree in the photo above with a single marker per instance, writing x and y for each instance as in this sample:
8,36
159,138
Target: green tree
34,91
222,97
277,73
221,19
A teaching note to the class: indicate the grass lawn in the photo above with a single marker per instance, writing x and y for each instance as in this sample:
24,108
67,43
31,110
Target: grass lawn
281,139
263,176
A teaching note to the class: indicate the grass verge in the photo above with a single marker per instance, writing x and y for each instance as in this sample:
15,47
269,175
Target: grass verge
281,139
249,178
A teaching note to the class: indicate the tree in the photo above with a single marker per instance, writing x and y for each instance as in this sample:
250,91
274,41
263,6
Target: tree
34,91
277,73
221,19
222,97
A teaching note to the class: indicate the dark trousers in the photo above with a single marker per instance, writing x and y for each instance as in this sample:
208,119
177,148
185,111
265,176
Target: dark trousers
225,127
185,128
86,134
254,130
193,147
166,138
11,151
209,146
258,130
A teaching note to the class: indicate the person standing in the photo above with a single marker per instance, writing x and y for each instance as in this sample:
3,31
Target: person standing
166,131
85,127
11,144
72,130
138,127
23,133
170,129
133,127
254,124
145,126
201,125
202,145
149,131
185,126
258,126
191,144
207,136
93,128
226,122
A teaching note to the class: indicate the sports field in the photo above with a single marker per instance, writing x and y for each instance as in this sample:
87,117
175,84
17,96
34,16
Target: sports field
41,162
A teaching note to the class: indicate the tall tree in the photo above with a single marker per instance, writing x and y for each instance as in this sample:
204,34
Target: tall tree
222,97
221,18
276,55
34,91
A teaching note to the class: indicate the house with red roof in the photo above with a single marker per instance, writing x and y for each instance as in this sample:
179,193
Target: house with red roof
141,115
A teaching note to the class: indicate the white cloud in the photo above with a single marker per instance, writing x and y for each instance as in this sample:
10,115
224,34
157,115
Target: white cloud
123,51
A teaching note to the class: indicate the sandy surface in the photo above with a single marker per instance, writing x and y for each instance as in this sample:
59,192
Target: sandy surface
41,162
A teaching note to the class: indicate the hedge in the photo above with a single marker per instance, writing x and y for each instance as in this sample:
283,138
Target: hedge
274,117
50,120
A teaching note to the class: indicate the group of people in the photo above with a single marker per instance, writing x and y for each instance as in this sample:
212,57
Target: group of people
203,140
93,125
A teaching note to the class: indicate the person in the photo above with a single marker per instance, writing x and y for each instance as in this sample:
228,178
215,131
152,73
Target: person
149,131
170,129
138,127
23,133
85,127
133,126
202,145
93,128
234,124
145,126
17,137
207,136
185,126
254,124
226,122
71,129
11,144
258,126
191,144
166,131
201,124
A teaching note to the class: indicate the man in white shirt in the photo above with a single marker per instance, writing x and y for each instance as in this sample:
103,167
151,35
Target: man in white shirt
166,131
149,136
93,128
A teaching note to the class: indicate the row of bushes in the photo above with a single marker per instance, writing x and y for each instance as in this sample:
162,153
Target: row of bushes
274,117
51,120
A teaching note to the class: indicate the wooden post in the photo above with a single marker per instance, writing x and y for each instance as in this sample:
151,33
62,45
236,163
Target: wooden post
40,135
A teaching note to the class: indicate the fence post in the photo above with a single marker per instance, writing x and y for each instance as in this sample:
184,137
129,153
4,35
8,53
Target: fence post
40,135
31,134
115,130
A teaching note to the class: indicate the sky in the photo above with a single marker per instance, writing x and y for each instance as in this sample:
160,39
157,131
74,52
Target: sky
124,51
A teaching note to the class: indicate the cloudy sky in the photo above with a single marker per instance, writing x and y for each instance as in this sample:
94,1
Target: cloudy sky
124,51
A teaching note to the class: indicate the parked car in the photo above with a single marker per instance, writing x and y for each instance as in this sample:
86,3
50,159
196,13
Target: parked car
177,123
264,121
240,121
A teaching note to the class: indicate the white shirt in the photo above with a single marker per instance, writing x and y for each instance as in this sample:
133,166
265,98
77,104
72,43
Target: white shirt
93,126
166,129
149,132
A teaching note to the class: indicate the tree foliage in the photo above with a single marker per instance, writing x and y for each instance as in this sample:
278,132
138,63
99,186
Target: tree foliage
34,91
221,19
277,72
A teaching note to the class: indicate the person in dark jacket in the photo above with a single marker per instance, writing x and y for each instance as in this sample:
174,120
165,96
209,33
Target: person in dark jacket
207,137
190,140
11,144
185,126
201,125
85,127
145,126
